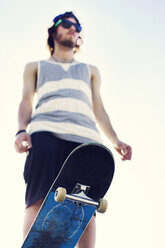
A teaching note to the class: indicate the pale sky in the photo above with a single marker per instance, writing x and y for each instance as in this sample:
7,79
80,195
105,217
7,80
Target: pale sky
125,40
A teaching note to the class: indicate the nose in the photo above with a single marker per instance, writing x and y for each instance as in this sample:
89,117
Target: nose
73,28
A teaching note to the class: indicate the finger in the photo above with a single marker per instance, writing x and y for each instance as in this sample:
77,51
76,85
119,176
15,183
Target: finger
24,146
18,149
126,149
127,157
29,142
119,150
24,143
21,146
129,153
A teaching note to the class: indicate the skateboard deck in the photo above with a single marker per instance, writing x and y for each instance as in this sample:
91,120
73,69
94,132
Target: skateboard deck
86,175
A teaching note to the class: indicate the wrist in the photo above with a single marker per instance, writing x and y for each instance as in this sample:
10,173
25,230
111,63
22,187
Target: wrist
21,131
114,139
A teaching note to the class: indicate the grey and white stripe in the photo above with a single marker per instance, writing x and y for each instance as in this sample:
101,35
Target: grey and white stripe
64,104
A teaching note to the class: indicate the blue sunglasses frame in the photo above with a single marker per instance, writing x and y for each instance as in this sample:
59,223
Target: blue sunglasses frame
67,24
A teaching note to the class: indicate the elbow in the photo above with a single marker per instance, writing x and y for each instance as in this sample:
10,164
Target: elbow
99,114
25,106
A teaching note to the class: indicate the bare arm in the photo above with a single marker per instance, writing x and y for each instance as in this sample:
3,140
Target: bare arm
26,106
103,119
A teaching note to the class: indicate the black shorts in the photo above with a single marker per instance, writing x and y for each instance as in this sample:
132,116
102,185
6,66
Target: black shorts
43,164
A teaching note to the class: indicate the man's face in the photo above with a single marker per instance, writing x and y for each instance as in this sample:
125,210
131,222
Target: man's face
67,37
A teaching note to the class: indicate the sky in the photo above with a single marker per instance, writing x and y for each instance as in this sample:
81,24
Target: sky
125,40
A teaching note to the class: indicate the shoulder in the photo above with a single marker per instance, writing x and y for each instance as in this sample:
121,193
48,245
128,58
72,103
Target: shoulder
30,76
31,67
94,71
95,76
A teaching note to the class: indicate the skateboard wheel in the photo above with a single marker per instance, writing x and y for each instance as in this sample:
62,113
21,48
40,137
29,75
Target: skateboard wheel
103,204
60,194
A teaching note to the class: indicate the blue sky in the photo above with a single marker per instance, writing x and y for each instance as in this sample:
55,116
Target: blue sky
125,40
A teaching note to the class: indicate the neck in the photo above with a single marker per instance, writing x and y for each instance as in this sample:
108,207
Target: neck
63,55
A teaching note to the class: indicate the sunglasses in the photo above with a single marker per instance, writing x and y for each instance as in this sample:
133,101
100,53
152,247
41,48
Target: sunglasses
67,24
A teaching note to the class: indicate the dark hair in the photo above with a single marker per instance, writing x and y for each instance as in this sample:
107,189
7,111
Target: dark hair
52,32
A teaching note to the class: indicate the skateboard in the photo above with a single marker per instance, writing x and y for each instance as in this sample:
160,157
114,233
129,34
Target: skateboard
73,198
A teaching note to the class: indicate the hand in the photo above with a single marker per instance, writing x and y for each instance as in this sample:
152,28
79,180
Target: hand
123,149
23,142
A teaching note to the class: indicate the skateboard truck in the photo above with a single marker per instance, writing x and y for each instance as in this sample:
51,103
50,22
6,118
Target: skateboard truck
80,188
80,198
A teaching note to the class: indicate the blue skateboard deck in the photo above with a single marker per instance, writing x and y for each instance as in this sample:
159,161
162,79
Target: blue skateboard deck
60,225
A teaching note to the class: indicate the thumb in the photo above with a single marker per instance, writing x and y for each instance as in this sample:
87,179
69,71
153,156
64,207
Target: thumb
119,150
124,149
27,141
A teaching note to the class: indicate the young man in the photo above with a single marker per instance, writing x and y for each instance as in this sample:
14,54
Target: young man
68,104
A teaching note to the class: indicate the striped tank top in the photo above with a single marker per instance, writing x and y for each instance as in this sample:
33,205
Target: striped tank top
64,102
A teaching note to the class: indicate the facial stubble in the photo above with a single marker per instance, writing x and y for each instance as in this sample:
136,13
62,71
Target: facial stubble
66,42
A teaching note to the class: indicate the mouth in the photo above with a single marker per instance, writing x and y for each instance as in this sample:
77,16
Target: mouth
71,34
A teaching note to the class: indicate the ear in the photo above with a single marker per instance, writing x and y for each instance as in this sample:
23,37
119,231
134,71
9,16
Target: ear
79,41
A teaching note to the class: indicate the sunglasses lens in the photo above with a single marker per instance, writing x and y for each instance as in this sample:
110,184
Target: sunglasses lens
67,24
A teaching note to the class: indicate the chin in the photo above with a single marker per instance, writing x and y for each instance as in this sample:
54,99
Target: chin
68,43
